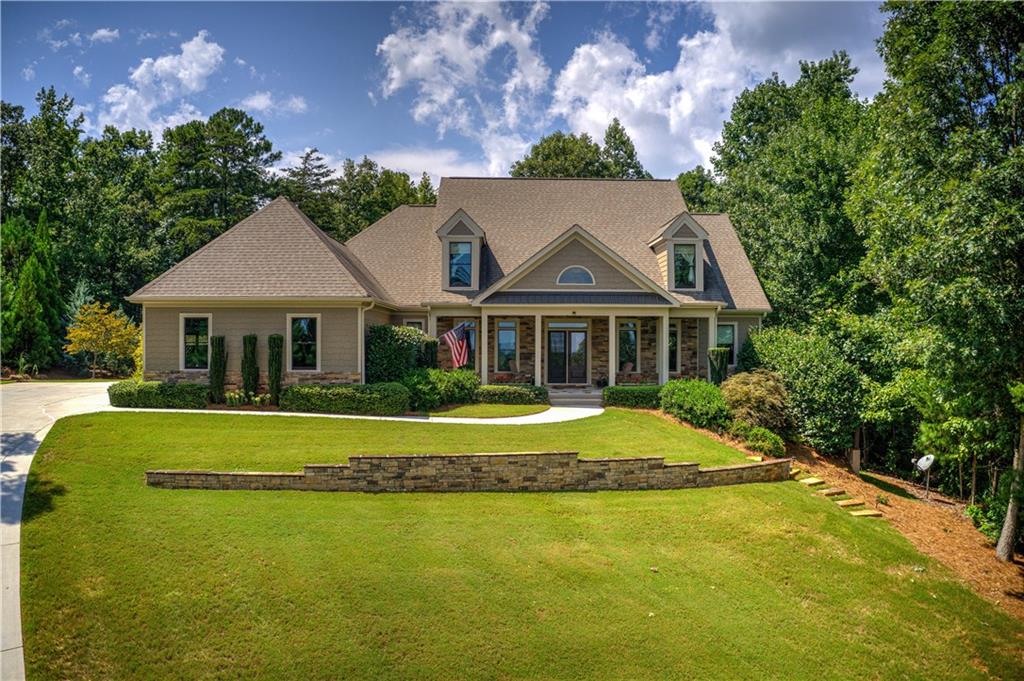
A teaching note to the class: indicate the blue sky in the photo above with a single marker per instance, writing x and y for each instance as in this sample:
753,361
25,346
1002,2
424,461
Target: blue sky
449,89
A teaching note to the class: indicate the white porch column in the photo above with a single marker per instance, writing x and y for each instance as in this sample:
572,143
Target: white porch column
663,349
432,323
613,353
712,339
483,348
538,334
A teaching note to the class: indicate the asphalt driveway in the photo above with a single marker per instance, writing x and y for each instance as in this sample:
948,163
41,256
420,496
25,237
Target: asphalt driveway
27,411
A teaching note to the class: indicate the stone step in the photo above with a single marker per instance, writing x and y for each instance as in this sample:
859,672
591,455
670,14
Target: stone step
755,458
866,513
831,492
812,481
850,502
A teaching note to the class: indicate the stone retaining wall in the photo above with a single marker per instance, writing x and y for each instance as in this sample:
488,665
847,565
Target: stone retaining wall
514,472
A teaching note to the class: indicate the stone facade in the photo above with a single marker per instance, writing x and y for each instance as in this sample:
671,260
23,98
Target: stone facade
233,379
513,472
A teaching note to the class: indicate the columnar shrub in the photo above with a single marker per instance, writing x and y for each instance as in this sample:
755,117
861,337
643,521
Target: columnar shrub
250,369
718,360
218,368
392,351
157,395
633,396
512,393
747,359
696,402
275,366
379,399
427,354
758,398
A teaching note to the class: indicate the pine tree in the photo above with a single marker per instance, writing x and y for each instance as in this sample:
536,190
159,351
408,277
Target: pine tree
619,154
312,186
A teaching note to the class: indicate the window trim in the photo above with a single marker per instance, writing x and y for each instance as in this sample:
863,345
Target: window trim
319,343
618,346
698,255
497,343
476,329
559,282
474,265
735,338
415,322
677,326
448,261
182,316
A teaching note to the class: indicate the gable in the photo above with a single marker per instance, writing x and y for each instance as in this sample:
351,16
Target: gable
460,229
575,253
684,231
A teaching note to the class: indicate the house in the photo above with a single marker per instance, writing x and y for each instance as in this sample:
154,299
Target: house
559,281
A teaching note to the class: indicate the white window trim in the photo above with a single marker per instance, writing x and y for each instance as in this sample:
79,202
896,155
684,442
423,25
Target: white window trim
677,324
497,328
474,265
639,333
593,279
735,337
698,251
181,338
476,327
415,322
288,341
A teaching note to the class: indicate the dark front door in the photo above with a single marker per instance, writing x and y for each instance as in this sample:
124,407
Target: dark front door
567,356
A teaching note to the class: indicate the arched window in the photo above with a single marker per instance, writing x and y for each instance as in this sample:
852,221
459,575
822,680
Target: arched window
575,275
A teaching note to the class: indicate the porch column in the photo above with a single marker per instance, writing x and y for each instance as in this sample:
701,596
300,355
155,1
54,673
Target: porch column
483,348
712,338
613,353
431,324
538,333
663,349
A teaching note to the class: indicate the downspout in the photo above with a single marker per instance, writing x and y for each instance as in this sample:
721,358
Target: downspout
362,340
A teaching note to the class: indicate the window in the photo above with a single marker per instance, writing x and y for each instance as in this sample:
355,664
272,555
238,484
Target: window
460,264
673,347
471,340
414,323
684,260
576,275
195,332
303,342
506,347
726,338
628,346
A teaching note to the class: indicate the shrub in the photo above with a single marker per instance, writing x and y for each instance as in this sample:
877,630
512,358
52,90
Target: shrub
738,429
218,369
250,368
633,396
758,398
718,360
427,356
157,395
275,366
696,402
455,387
825,392
392,351
511,393
766,442
747,359
378,399
423,391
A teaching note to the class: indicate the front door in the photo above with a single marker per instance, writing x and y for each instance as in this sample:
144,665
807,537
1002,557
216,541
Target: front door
567,356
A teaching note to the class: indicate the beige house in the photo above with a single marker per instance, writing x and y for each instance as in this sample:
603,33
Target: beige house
561,282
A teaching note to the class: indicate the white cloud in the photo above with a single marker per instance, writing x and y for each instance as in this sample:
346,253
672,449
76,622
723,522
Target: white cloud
105,35
660,16
157,83
476,70
62,23
81,75
29,72
266,103
146,35
253,73
437,162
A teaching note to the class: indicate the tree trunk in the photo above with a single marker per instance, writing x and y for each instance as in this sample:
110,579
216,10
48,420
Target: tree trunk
1007,538
974,477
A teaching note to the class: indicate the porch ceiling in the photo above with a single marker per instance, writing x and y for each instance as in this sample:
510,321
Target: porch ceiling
576,298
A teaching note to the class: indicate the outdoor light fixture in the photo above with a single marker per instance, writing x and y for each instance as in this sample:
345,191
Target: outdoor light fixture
924,465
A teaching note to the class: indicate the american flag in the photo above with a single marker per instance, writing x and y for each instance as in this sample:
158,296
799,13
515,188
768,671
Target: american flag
458,344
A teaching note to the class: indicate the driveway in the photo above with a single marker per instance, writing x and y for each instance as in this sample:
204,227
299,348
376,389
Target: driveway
27,410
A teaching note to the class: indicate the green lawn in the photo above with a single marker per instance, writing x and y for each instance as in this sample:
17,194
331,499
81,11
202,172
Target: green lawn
121,581
491,411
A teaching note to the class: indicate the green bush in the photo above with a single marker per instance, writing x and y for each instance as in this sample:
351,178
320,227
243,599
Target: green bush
457,386
157,395
825,393
747,359
250,367
424,394
275,366
633,396
218,368
512,393
758,398
766,442
392,351
696,402
378,399
718,360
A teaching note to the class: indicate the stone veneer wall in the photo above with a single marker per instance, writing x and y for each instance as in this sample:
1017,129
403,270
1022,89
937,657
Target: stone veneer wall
233,379
514,472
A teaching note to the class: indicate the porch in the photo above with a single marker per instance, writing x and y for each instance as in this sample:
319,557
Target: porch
574,351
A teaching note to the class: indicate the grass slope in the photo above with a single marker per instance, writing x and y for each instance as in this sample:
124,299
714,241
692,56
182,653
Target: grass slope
490,411
755,581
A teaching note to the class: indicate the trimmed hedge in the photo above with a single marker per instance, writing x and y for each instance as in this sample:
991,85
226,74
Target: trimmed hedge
633,396
250,366
157,395
696,402
512,393
275,366
758,398
424,394
393,351
218,368
758,439
378,399
718,360
455,387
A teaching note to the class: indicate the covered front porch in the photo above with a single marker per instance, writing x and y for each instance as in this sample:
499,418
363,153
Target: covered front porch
574,348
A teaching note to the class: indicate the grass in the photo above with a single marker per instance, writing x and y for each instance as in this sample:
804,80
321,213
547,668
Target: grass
123,581
490,411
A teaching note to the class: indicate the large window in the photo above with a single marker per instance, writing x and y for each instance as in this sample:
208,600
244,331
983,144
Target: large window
576,275
195,342
684,262
673,347
460,264
726,338
304,342
629,336
506,347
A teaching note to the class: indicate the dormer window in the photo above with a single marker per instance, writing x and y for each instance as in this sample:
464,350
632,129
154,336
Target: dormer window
460,264
576,275
462,241
684,261
680,244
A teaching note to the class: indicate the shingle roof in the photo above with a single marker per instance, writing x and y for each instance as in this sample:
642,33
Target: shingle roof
276,252
520,216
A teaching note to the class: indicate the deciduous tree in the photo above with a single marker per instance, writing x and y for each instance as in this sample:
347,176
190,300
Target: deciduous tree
97,330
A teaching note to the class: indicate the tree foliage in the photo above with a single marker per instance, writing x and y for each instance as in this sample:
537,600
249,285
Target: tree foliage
568,155
697,187
99,331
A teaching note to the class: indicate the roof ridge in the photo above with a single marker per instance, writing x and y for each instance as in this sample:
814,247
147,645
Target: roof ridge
581,179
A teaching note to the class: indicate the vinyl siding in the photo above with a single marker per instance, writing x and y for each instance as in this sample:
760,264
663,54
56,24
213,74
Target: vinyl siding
606,275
